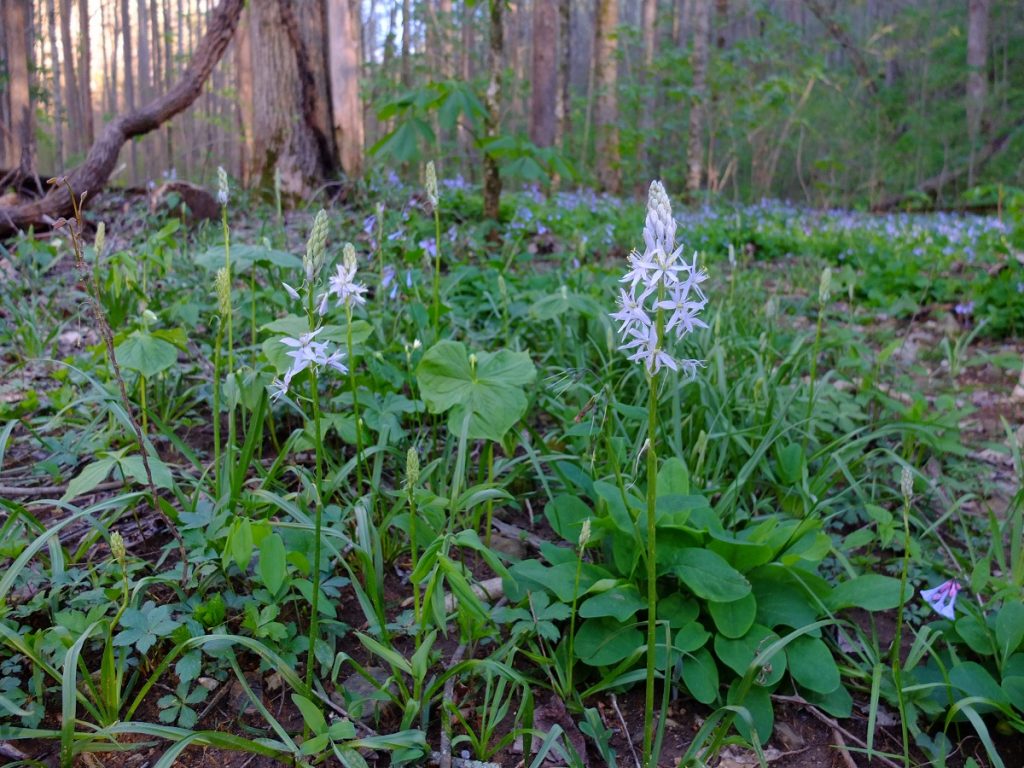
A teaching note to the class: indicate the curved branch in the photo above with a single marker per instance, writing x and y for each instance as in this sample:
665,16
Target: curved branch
92,175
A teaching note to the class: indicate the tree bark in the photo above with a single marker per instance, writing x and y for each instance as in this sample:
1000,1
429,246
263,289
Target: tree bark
977,76
58,95
649,14
701,18
564,108
19,140
606,108
91,176
246,109
406,32
344,64
72,92
544,91
496,52
85,72
129,79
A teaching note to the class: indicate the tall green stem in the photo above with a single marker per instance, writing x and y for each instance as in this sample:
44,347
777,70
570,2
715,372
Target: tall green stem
355,402
437,273
318,502
897,669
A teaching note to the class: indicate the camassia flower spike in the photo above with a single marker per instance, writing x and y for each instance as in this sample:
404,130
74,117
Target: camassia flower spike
943,598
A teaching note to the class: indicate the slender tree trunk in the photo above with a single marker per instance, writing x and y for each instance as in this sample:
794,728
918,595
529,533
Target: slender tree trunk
606,111
649,14
129,79
246,110
564,108
977,74
544,93
444,31
495,58
157,43
344,64
73,95
406,32
85,72
58,96
142,81
699,65
19,141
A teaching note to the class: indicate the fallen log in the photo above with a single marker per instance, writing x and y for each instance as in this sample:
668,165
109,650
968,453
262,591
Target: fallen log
92,175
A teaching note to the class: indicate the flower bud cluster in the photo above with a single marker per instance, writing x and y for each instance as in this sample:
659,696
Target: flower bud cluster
659,280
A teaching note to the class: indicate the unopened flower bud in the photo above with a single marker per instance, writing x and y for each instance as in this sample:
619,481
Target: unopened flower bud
584,534
431,185
316,247
472,362
223,286
907,484
222,186
825,287
348,258
101,240
117,548
412,468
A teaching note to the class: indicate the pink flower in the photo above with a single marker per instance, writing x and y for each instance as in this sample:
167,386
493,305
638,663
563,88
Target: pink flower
943,598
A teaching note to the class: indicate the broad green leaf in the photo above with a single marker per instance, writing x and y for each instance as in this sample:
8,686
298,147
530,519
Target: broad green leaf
566,515
837,703
811,664
133,467
700,674
311,714
691,637
244,256
758,703
146,353
1009,628
673,478
272,562
620,602
603,642
92,474
974,680
872,592
738,654
491,391
709,576
734,619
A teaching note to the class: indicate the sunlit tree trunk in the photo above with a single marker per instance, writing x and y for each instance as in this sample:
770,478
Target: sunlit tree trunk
701,19
496,52
58,95
444,31
649,14
344,64
606,108
544,93
72,94
977,76
85,72
129,79
19,140
246,113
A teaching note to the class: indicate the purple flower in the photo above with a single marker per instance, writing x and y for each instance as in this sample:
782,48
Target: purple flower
943,598
964,310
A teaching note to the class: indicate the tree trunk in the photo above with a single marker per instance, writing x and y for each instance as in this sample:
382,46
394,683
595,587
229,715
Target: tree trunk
19,141
129,79
406,32
344,63
606,111
85,72
246,109
699,64
841,36
544,93
283,135
649,14
92,175
977,75
564,108
444,30
58,96
496,52
72,93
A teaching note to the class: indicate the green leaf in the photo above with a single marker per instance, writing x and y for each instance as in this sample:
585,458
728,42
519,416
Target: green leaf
244,256
1009,628
709,576
620,602
272,562
603,642
700,674
91,475
566,515
145,353
491,392
673,478
974,680
811,664
872,592
133,467
758,703
738,654
733,619
311,714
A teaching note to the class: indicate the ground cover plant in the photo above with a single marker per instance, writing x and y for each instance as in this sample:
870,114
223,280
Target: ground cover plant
618,483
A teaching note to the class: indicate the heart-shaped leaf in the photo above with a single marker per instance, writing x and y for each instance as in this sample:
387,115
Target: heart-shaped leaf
488,387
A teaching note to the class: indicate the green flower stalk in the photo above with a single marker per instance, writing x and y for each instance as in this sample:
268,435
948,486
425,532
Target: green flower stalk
664,295
434,200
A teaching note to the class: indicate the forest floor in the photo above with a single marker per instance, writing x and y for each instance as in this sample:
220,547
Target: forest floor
980,391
